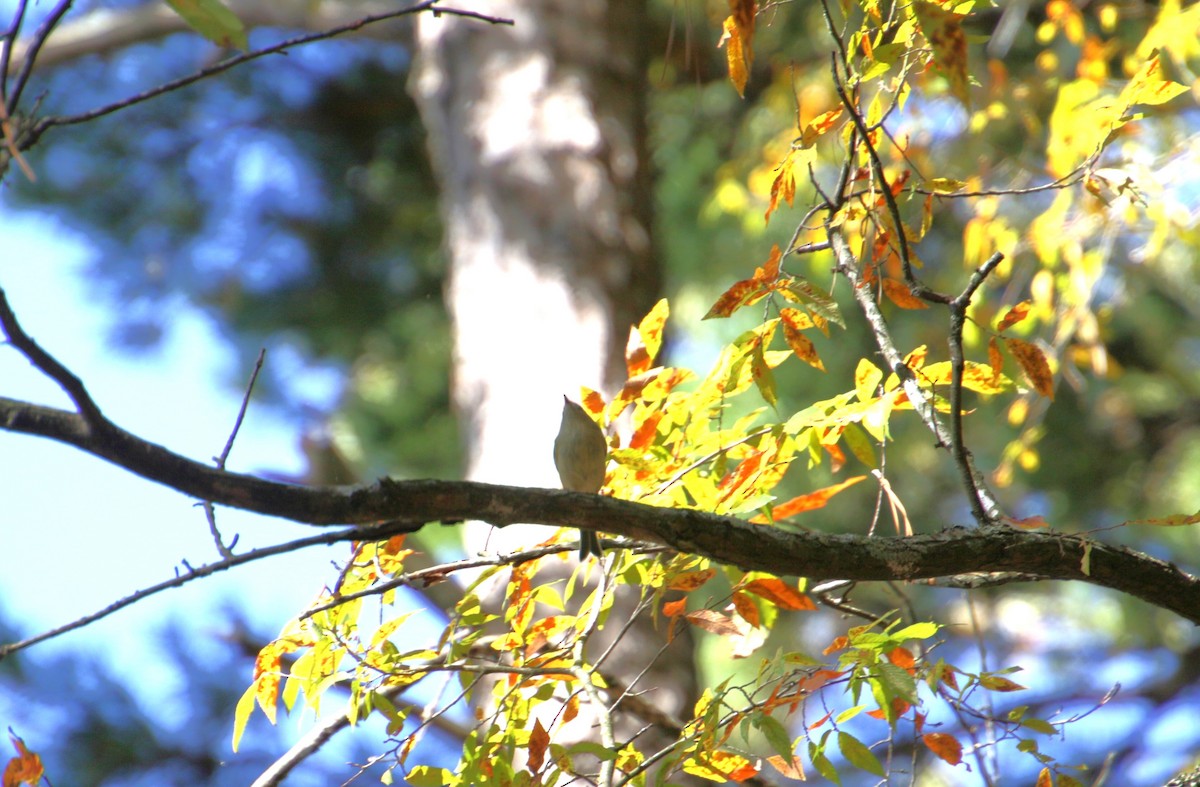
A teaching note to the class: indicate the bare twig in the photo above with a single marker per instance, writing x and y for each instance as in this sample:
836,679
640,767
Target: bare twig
984,507
39,38
50,366
427,5
350,534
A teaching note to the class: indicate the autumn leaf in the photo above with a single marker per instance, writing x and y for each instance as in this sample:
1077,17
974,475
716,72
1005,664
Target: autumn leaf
539,742
1033,363
1175,520
998,683
899,294
691,580
25,768
820,125
943,30
738,41
945,746
792,768
809,502
800,344
713,622
779,593
746,607
783,187
646,340
1014,315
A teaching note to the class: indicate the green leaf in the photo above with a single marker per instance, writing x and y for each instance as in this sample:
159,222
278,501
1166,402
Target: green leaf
212,20
776,735
858,755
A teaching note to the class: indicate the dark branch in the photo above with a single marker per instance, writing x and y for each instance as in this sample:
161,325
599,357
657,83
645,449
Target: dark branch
726,539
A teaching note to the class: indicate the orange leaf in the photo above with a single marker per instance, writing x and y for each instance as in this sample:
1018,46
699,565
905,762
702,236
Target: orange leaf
811,501
945,746
838,644
643,436
903,658
1014,315
899,294
637,356
779,593
746,607
736,55
995,359
1045,778
25,768
674,608
783,186
820,125
1033,363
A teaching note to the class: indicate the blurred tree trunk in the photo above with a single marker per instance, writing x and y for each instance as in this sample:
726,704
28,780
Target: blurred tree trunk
538,134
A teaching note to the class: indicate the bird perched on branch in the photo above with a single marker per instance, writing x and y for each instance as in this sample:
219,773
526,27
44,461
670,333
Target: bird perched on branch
581,456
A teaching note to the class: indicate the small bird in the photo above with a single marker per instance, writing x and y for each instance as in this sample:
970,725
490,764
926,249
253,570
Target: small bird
581,456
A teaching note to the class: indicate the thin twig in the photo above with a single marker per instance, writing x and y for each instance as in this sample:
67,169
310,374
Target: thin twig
984,507
428,5
50,366
39,38
918,288
349,534
210,513
10,40
258,365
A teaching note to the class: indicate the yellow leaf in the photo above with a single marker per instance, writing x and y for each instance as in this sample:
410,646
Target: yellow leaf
1150,86
866,380
945,185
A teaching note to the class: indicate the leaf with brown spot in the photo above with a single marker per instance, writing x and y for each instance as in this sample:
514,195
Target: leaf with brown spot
739,294
1033,363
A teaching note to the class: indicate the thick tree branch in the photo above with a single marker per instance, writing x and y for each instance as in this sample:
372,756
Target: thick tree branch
954,551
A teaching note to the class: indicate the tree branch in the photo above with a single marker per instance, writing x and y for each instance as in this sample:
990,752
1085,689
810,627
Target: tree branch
1048,555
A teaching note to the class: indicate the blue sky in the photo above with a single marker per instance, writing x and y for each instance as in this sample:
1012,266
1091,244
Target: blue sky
77,533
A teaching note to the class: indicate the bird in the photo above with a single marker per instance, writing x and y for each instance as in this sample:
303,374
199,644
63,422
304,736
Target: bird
581,456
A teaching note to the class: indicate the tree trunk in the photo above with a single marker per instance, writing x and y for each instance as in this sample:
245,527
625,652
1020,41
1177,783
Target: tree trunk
538,134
